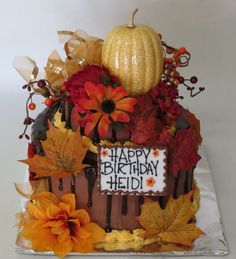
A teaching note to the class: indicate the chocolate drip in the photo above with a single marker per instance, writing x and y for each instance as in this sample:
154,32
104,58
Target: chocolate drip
180,184
189,181
68,110
96,138
91,175
60,187
72,185
63,112
108,214
113,137
124,209
140,201
163,201
49,184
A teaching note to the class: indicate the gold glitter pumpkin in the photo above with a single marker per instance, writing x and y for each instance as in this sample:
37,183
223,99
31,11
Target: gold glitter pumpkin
135,55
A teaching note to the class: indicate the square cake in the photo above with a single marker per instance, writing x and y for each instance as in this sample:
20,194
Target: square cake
111,157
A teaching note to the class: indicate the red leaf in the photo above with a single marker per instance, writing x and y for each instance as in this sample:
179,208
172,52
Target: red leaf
194,123
182,152
31,153
145,127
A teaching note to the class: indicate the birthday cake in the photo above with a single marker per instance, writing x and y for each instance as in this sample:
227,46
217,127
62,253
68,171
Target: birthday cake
111,157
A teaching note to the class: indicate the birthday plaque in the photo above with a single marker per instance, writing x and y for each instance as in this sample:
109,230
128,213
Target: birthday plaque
137,170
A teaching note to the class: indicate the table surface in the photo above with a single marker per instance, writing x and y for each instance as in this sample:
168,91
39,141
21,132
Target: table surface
207,27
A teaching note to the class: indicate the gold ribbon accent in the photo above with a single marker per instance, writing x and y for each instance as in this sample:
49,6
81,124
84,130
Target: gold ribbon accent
80,50
26,67
28,189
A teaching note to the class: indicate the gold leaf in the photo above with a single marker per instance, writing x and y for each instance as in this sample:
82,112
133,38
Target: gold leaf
64,154
172,223
87,142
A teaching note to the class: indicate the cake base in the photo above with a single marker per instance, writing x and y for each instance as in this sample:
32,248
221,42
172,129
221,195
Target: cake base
208,219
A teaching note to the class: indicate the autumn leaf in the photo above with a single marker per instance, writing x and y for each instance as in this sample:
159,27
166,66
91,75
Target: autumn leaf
195,125
144,125
171,224
64,154
182,152
87,142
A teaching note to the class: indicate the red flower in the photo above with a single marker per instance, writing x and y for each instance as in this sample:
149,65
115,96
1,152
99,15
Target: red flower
105,105
92,73
173,113
164,96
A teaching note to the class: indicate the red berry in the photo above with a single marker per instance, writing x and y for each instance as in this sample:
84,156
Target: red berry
176,55
32,106
41,83
49,102
181,80
193,79
176,82
169,50
182,50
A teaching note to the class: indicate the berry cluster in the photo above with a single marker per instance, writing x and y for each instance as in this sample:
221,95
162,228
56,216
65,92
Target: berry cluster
41,87
174,59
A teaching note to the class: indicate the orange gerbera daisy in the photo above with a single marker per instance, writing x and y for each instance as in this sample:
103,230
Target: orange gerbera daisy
56,225
105,105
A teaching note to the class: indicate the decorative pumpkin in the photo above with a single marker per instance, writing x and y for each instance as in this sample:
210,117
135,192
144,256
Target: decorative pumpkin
135,55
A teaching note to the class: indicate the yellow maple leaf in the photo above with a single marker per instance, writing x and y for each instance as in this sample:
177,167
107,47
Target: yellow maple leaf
171,224
64,154
61,124
87,142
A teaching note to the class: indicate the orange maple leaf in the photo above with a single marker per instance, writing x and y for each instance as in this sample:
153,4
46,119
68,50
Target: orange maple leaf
64,154
171,224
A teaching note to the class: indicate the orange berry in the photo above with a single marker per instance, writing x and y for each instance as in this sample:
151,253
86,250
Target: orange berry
182,50
168,60
169,50
32,106
49,102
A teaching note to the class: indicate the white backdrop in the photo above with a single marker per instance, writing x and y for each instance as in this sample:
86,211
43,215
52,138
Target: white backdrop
205,27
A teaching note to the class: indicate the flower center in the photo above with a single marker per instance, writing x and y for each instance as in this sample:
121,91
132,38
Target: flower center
108,106
72,227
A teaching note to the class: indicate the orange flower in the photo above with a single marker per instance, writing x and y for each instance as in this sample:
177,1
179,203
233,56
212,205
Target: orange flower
150,182
105,105
155,153
104,153
57,226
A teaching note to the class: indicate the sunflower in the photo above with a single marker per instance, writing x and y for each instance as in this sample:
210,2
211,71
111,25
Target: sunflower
104,106
55,225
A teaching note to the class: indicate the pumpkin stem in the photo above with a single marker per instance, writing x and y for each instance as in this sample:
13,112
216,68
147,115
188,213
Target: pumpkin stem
131,19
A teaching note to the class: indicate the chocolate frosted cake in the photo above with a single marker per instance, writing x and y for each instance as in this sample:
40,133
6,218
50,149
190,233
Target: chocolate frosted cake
112,156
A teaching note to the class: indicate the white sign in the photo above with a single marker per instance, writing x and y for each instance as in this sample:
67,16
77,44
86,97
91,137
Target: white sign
132,170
